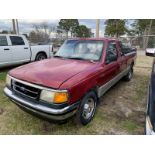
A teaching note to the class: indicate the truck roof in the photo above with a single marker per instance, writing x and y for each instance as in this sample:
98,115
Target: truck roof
11,35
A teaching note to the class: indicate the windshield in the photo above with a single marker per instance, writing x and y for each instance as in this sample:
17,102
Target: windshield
81,49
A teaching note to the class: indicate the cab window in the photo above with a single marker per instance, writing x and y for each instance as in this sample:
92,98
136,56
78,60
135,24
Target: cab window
125,49
17,40
3,41
111,52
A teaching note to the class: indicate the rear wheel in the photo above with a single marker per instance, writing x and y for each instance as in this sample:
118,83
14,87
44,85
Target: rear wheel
87,108
129,76
40,56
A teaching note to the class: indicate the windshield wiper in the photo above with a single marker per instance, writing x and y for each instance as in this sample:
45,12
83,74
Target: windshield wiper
76,58
57,56
79,58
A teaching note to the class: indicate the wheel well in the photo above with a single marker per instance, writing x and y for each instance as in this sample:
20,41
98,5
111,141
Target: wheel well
133,63
95,90
41,52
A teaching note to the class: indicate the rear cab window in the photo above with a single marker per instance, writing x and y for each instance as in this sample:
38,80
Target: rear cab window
16,40
125,49
3,41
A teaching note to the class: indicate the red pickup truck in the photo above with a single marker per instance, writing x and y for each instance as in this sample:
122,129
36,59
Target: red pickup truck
73,80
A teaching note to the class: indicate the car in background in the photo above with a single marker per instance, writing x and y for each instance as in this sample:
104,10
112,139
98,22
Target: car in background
15,49
150,112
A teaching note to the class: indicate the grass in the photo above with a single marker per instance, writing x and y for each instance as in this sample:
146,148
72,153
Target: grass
2,76
129,126
121,111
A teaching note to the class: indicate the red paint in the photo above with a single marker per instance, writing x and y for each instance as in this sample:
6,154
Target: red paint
77,76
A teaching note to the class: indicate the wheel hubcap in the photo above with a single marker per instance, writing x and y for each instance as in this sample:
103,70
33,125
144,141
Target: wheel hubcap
41,58
88,108
130,74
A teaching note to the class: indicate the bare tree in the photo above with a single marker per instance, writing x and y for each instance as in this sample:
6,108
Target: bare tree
41,32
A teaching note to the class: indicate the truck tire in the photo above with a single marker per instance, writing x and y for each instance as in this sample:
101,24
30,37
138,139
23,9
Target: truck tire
40,56
129,76
86,109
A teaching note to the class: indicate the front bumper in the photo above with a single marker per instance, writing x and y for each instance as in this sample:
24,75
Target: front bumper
44,111
148,127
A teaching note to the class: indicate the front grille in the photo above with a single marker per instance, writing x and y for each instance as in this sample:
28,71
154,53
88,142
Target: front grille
26,90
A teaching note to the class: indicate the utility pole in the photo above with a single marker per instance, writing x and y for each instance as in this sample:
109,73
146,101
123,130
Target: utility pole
17,26
14,26
97,28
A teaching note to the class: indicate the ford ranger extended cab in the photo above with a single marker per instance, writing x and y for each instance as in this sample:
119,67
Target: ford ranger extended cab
15,49
73,80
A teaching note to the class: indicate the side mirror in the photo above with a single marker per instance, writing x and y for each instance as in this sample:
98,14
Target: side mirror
150,52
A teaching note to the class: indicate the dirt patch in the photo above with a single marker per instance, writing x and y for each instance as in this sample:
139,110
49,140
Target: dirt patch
1,111
46,127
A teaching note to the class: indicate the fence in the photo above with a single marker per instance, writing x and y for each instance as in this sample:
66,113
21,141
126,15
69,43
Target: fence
140,42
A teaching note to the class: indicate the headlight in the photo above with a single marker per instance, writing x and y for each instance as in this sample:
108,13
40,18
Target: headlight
54,97
8,81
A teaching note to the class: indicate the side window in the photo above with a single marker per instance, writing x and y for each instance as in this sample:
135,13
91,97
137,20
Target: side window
111,52
125,49
17,40
121,48
3,41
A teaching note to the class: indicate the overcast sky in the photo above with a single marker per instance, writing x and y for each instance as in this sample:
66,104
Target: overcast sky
25,25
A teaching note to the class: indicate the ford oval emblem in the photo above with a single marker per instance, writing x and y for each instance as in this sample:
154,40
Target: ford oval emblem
22,89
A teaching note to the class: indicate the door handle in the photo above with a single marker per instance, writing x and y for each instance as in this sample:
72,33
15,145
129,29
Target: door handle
6,49
25,48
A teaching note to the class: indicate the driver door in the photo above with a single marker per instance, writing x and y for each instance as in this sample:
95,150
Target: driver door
112,66
110,69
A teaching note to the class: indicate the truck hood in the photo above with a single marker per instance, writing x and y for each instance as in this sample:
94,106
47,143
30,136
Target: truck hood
52,72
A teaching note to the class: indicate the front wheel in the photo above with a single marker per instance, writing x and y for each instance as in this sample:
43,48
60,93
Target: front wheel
87,108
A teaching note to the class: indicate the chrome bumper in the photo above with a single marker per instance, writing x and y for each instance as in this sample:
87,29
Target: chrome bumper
56,114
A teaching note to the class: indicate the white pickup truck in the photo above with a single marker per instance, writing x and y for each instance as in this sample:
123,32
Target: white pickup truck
15,49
